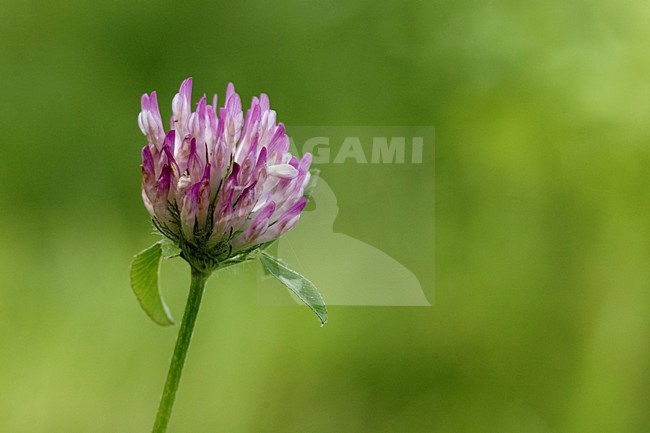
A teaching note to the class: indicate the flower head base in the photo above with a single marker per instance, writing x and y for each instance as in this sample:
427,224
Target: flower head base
218,184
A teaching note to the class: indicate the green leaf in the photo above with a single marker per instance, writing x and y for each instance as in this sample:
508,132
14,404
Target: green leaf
145,269
299,285
169,249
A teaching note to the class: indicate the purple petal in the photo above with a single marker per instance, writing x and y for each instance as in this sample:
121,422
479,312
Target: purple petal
305,162
144,102
153,105
194,163
148,174
230,90
186,89
296,209
258,226
264,102
147,160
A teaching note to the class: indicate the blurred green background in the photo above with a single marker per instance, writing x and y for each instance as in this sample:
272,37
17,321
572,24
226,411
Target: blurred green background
539,270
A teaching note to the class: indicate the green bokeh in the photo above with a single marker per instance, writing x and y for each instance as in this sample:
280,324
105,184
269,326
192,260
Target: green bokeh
541,316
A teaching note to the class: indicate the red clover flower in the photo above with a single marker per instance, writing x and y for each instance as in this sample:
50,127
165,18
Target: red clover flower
219,184
220,188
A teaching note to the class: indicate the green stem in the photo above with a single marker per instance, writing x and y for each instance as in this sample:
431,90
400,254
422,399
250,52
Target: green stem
180,351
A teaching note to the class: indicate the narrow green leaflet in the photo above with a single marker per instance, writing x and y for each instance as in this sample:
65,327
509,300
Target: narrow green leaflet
299,285
145,269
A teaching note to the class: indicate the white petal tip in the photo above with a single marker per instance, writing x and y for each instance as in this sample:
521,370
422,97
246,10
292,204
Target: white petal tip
284,171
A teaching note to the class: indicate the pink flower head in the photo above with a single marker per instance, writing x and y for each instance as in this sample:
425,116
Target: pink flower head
218,183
